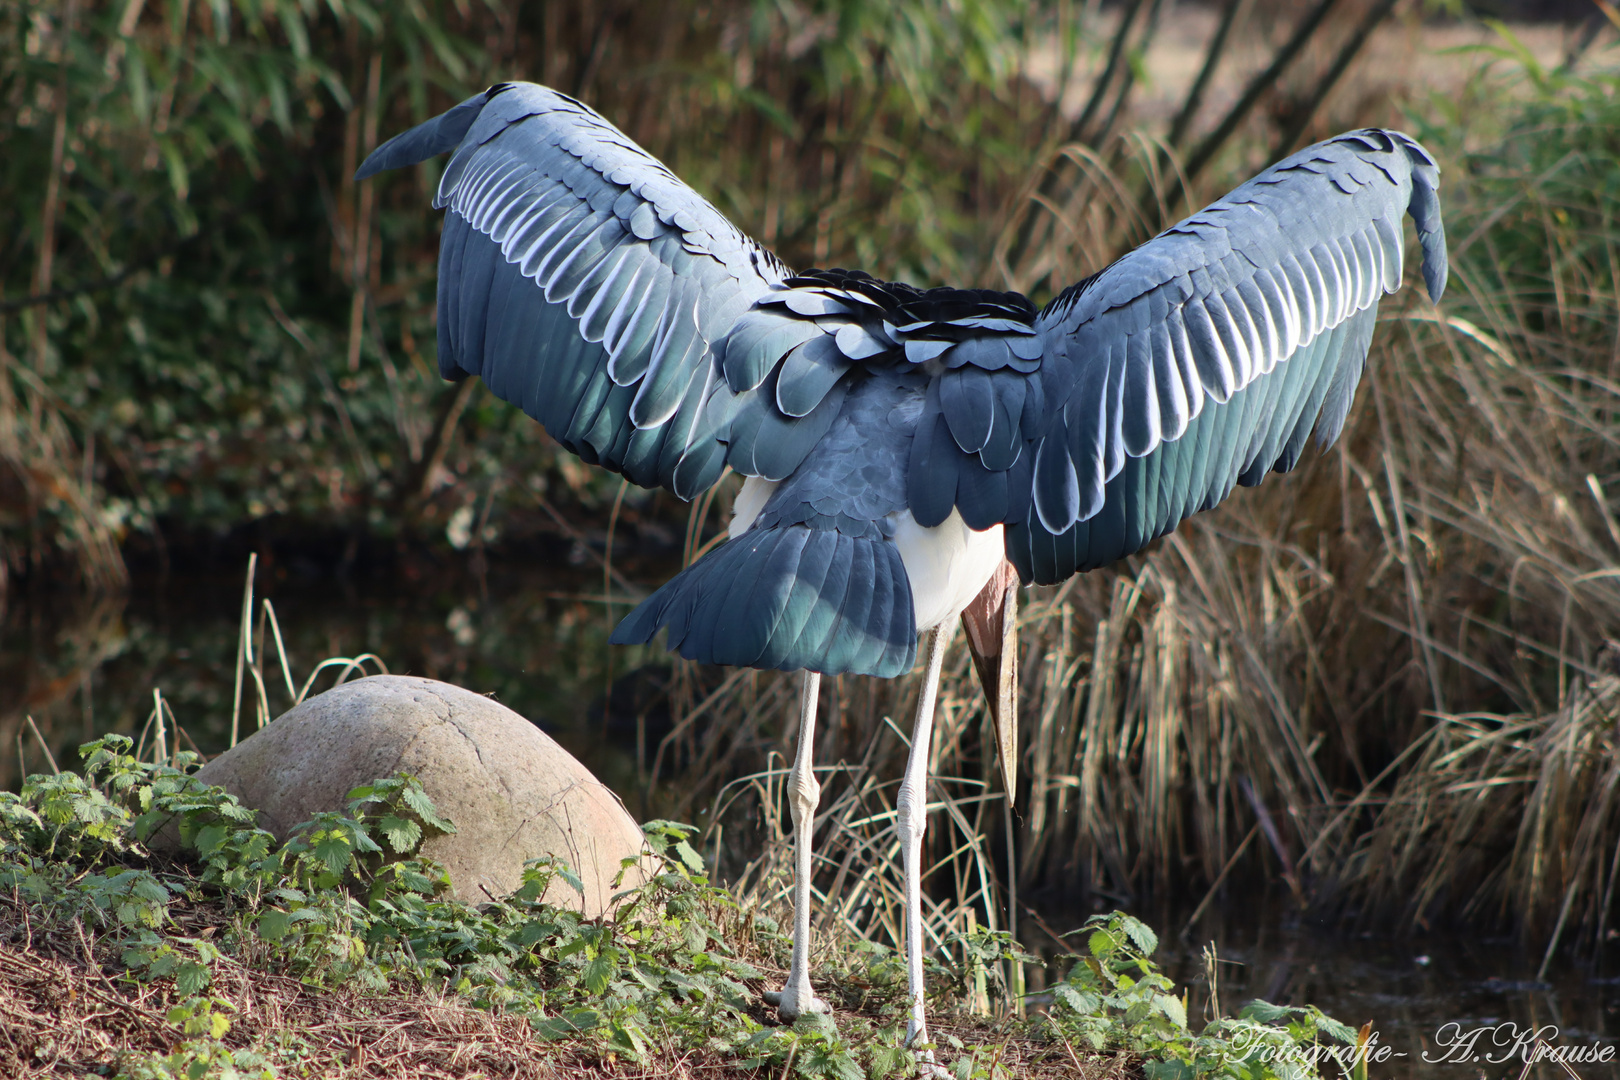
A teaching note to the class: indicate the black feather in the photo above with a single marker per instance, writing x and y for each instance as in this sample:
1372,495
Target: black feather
931,470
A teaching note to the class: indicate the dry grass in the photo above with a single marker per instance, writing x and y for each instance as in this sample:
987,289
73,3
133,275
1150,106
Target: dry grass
65,1010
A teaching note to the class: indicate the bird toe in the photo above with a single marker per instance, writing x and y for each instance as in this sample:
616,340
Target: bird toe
790,1005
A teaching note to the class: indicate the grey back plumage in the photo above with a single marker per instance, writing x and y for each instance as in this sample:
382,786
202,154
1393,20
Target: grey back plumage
587,284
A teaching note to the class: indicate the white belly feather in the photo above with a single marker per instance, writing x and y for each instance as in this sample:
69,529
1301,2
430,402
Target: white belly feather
948,564
756,492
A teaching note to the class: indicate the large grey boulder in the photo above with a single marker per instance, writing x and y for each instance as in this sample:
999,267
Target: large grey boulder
512,793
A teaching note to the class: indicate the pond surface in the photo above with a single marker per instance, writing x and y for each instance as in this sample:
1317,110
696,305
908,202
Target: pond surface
1448,1007
535,636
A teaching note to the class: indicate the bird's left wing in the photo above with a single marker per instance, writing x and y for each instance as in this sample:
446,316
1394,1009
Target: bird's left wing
585,283
1205,357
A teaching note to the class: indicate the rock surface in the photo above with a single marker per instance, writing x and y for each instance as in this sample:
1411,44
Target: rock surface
511,791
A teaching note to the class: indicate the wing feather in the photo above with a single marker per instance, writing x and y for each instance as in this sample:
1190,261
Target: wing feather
627,279
1204,358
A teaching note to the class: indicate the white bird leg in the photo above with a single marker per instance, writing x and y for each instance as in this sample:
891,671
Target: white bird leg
804,795
911,821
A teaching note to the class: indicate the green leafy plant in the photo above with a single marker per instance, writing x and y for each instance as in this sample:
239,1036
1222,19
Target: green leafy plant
1116,998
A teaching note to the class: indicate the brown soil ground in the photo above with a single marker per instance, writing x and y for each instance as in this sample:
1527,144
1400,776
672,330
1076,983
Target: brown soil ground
66,1011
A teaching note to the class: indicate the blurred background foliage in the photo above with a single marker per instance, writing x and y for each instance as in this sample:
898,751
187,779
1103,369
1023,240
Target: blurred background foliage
1388,681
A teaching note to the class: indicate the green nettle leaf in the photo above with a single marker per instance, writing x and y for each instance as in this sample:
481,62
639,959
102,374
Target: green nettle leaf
274,924
577,945
149,888
1081,1001
534,931
1173,1008
1101,943
1141,936
333,849
423,807
692,860
890,1059
551,1028
1264,1011
834,1061
627,1039
193,978
209,838
1334,1029
573,879
1173,1069
598,971
402,835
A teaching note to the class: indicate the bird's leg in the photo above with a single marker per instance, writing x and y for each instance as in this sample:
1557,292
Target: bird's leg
911,820
804,795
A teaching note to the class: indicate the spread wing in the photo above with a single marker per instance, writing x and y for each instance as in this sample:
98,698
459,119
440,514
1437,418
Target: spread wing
585,283
1205,358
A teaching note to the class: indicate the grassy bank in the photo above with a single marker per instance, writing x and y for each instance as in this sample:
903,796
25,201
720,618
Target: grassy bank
334,953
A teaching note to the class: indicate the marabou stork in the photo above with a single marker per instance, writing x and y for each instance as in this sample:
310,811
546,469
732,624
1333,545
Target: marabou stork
899,445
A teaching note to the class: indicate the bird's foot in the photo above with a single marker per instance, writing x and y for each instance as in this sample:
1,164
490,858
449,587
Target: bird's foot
918,1042
792,1003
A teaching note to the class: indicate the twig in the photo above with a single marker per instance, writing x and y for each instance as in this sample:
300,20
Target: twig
439,444
575,535
50,757
1273,837
1236,11
1192,920
244,645
1256,89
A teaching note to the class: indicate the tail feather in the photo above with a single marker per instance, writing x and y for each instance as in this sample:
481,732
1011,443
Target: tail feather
787,598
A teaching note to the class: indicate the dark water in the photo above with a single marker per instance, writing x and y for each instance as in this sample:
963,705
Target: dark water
535,636
1452,1007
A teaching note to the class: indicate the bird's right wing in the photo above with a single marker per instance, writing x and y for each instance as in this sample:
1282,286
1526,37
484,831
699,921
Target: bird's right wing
1205,357
585,283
